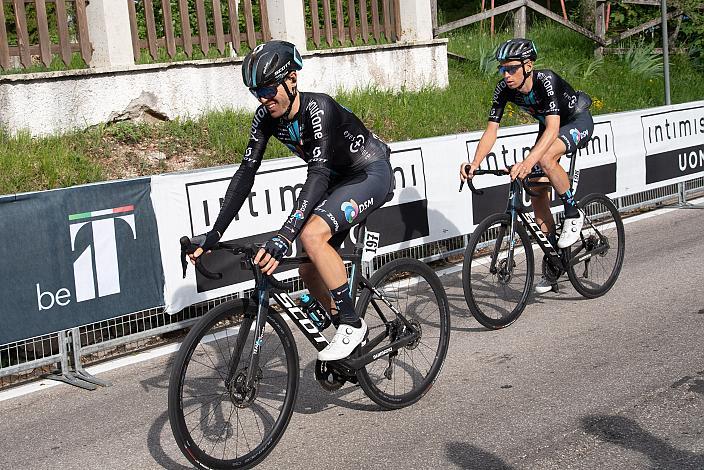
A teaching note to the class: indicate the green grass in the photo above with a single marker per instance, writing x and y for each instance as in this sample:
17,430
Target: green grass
56,64
218,138
27,164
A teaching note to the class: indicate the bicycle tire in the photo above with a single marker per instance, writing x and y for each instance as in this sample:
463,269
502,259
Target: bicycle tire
478,278
198,378
608,218
429,310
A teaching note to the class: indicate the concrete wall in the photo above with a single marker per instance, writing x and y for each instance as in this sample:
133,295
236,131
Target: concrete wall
48,103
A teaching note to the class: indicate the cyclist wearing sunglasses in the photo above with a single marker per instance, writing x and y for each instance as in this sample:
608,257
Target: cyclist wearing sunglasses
564,125
349,176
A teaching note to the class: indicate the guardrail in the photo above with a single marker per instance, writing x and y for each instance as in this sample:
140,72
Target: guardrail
142,329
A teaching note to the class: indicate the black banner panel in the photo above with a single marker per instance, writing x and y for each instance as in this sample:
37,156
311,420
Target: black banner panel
598,179
77,256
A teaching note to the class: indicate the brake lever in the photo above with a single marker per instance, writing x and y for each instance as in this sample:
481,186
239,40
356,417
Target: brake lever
185,245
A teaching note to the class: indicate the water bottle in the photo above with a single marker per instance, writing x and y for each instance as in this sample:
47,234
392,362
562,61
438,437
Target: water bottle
315,312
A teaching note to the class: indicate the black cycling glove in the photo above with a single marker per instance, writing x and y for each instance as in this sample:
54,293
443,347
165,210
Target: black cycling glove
211,239
277,247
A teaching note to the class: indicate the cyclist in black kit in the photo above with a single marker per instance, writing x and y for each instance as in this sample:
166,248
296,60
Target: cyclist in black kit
565,125
349,176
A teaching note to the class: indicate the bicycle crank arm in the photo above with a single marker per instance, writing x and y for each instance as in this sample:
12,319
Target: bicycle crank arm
356,363
585,256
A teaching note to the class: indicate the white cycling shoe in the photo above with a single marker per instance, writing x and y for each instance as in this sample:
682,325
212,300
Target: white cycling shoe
343,343
544,285
571,228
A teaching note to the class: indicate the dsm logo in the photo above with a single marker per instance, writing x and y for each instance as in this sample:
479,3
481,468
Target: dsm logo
351,209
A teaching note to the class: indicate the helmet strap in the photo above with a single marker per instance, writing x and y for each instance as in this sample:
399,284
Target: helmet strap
291,97
525,74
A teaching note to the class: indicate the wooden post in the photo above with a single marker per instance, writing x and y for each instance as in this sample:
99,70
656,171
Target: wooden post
492,19
608,15
4,47
600,27
519,23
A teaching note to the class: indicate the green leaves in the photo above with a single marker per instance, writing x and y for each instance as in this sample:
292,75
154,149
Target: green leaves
642,60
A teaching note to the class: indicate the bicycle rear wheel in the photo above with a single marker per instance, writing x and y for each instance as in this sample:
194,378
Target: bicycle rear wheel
216,422
412,288
602,246
496,293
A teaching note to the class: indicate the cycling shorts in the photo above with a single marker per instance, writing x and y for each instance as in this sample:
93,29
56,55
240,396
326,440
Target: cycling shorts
350,199
575,133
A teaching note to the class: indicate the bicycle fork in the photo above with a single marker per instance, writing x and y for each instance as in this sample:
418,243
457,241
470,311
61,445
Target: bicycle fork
240,385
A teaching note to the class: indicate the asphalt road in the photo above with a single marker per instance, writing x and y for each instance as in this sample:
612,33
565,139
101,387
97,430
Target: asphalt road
586,384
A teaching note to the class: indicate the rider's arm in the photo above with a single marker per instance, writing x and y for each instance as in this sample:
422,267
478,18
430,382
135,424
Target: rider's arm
485,144
488,139
243,179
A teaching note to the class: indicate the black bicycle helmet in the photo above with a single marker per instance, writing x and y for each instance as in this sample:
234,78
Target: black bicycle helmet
517,49
269,63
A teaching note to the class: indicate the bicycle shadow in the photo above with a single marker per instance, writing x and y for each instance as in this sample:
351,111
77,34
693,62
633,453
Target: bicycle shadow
467,456
628,434
350,396
313,398
160,426
154,443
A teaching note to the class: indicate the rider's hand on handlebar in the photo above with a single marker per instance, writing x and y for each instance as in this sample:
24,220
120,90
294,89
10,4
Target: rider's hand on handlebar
193,256
270,255
521,170
209,241
466,171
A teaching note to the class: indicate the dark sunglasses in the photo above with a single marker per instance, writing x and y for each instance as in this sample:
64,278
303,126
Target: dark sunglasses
511,69
266,92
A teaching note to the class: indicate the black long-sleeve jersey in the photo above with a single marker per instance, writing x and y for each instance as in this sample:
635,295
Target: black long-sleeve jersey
328,136
550,95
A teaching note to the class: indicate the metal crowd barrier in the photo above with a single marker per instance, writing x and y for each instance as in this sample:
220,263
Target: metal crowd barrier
61,355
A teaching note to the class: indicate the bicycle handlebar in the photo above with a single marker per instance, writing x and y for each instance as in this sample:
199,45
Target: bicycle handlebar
503,172
189,246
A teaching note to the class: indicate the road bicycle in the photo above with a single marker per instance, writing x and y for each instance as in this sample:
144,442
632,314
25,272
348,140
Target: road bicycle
234,381
498,268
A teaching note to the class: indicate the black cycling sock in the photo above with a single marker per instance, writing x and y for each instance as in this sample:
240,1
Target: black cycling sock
344,304
552,238
570,204
335,317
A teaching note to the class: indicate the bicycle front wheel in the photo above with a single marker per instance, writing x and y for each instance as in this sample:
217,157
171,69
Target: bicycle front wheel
600,247
218,422
496,289
413,289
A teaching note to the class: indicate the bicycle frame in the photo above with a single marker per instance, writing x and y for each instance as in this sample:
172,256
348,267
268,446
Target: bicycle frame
560,258
349,366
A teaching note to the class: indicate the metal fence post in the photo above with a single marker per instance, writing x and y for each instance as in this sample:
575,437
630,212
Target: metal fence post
78,366
65,373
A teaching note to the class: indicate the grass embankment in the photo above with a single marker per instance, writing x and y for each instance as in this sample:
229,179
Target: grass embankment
127,150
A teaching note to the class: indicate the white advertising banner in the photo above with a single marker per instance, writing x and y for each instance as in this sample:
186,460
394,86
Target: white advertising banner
629,152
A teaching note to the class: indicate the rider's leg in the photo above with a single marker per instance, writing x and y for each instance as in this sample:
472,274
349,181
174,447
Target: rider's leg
317,288
541,210
560,181
558,176
329,267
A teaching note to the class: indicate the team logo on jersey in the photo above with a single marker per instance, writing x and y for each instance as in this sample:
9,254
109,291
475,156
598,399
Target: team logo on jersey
357,143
